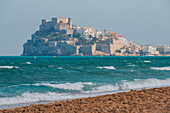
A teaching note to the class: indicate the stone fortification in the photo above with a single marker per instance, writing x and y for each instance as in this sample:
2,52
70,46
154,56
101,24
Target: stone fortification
66,23
59,37
62,25
88,50
110,45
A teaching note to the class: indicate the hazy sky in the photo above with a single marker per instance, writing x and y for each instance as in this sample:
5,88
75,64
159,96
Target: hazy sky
142,21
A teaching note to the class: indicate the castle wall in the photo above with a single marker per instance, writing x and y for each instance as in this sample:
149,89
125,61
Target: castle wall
110,45
64,20
105,48
54,21
108,48
70,32
46,26
88,50
114,47
58,23
59,27
67,49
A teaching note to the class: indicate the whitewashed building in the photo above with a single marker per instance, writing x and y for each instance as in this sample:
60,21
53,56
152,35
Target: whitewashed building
163,49
149,50
87,31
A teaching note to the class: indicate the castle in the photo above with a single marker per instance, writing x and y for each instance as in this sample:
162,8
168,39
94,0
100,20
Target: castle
59,24
59,37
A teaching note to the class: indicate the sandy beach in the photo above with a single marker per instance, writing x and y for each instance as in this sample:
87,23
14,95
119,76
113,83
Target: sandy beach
155,100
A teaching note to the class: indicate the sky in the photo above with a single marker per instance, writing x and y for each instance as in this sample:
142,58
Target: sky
141,21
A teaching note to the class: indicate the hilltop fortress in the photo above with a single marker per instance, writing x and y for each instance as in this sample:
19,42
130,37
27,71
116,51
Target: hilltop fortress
59,37
62,25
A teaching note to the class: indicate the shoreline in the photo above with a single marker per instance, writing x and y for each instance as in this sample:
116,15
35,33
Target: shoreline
2,107
145,100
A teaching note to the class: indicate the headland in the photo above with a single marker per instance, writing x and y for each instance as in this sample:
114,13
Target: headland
59,37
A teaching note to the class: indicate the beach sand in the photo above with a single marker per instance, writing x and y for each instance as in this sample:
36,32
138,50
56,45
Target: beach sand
155,100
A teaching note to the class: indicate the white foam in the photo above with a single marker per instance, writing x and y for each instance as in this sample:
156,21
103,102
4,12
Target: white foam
136,84
67,86
28,62
60,68
42,97
131,65
107,67
100,90
146,61
108,87
19,85
50,66
161,68
8,67
35,97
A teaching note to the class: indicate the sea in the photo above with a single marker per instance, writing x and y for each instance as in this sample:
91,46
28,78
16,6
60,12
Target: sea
26,80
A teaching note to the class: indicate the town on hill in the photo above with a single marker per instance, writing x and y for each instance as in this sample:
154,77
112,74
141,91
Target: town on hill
59,37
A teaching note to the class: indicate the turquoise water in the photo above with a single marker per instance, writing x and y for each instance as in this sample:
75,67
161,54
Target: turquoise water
25,80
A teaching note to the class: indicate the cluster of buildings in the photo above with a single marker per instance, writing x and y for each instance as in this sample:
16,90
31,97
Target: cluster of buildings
44,42
149,50
88,31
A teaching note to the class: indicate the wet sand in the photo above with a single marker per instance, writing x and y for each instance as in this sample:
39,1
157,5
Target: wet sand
155,100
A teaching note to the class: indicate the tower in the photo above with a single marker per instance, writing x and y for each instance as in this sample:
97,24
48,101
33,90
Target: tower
70,22
43,21
105,31
54,21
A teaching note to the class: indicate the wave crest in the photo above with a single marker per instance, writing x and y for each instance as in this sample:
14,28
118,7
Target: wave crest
99,90
136,84
41,97
28,62
146,61
161,68
107,67
67,86
8,67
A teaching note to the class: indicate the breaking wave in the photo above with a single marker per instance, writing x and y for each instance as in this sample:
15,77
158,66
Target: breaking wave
40,97
50,66
146,61
8,67
107,67
28,62
131,65
99,90
161,68
67,86
136,84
